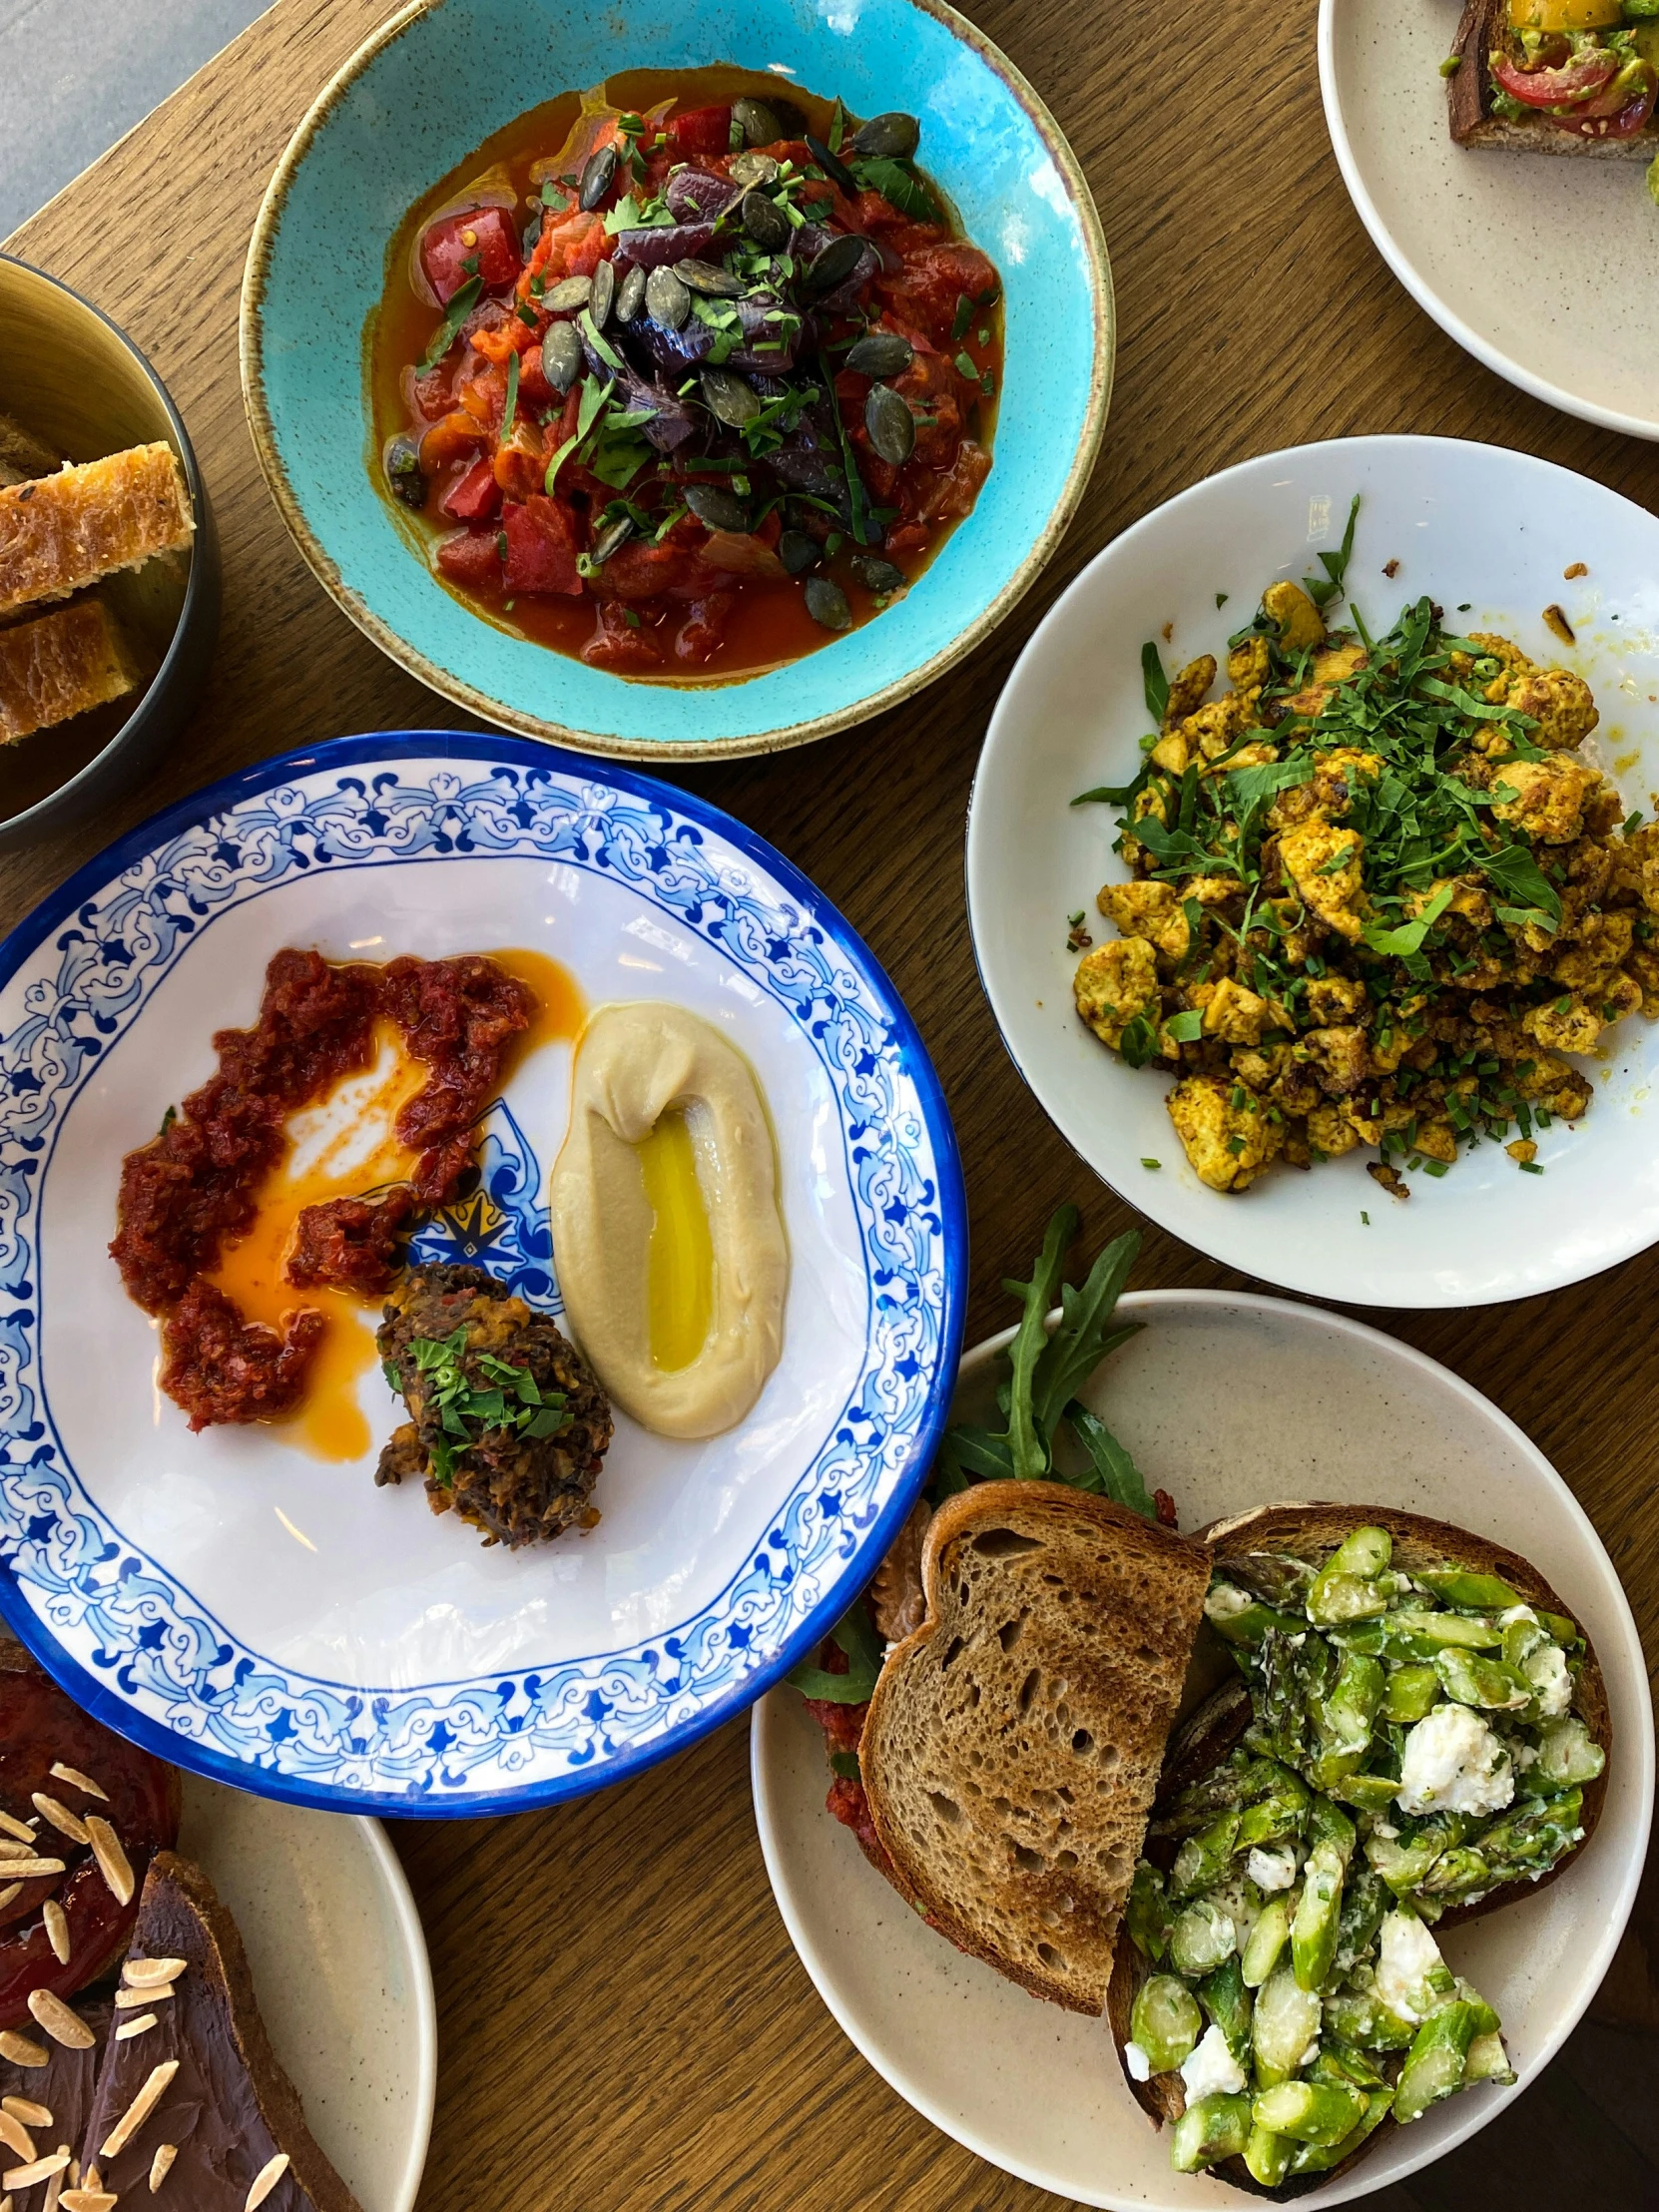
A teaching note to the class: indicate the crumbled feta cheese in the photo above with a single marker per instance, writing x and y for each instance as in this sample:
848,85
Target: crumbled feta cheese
1225,1599
1524,1755
1453,1763
1515,1613
1272,1868
1309,2055
1212,2068
1548,1674
1385,1829
1140,2066
1408,1956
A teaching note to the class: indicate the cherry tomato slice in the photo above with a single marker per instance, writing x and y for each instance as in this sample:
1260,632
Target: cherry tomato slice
1555,88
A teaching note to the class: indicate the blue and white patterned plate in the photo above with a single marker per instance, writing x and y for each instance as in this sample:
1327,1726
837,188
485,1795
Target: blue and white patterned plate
280,1623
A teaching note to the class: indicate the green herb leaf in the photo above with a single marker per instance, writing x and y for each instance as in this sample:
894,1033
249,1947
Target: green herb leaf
1112,1473
509,410
898,185
1408,938
1514,870
1028,1446
1155,681
1187,1026
459,307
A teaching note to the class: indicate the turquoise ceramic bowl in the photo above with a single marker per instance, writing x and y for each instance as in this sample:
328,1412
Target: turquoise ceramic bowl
443,75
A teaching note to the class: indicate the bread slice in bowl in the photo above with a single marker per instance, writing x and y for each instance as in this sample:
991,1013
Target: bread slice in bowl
1472,116
1014,1741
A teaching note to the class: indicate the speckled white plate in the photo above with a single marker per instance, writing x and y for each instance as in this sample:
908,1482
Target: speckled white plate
1486,531
341,1971
1226,1401
1546,269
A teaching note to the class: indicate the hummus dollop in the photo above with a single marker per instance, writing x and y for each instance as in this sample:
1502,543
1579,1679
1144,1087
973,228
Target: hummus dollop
634,1064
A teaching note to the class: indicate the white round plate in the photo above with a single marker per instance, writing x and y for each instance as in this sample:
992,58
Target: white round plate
1488,533
1570,315
341,1971
1201,1400
279,1622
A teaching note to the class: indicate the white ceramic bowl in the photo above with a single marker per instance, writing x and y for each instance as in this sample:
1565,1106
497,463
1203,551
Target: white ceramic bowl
1546,270
1487,532
1200,1399
341,1971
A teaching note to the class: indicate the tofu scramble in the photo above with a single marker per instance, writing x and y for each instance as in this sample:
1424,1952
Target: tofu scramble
1414,1741
1376,896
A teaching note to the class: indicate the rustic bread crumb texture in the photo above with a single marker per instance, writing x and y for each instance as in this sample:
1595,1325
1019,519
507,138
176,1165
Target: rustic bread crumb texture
59,533
1014,1741
60,665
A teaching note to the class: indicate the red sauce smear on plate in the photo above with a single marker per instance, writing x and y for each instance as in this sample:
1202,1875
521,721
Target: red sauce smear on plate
194,1189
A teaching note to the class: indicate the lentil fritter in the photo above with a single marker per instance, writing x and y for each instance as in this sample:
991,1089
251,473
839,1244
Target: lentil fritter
1376,896
509,1427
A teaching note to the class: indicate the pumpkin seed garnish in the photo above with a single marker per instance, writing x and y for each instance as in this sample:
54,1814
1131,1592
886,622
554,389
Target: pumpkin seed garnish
712,282
630,296
598,174
603,295
665,299
728,399
716,509
890,425
833,264
568,295
827,603
797,552
893,137
880,353
561,357
759,124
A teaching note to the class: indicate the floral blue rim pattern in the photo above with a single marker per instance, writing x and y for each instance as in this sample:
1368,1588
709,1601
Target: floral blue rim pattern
121,1635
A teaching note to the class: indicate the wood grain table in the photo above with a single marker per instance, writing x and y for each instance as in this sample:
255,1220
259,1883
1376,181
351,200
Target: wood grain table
624,2026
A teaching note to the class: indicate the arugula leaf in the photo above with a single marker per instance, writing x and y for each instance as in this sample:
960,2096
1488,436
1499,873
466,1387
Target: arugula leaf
1139,1040
1253,786
1514,870
1408,938
459,307
853,1633
1155,681
1028,1447
898,185
1112,1473
1081,1341
1335,565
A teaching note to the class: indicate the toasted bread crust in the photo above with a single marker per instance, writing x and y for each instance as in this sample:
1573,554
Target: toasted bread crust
59,533
57,665
1088,1905
1304,1531
1469,102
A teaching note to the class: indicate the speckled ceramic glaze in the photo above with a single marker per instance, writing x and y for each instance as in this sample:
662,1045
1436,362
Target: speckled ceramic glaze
339,1969
1200,1399
1546,269
441,78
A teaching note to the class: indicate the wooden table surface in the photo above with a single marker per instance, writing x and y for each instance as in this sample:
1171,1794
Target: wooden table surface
623,2025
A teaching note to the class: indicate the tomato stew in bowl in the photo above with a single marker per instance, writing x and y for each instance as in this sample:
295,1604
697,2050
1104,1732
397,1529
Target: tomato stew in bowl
683,378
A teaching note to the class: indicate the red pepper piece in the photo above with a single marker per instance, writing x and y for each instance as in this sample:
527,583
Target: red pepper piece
700,131
472,558
475,495
484,234
543,540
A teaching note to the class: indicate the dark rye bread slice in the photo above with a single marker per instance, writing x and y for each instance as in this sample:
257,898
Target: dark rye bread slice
1014,1743
228,2108
1314,1532
1469,101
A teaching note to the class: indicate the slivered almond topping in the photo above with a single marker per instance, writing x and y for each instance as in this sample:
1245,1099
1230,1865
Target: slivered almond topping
14,1827
145,1973
126,1999
92,2180
67,1823
57,1930
16,2136
70,2174
12,1847
22,2050
266,2180
26,2110
5,2204
9,1891
160,2166
138,2110
129,2028
38,2169
61,2021
30,1869
79,1781
86,2200
112,1863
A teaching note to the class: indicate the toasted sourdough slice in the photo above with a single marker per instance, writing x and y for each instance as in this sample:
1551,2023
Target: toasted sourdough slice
226,2107
1210,1733
59,533
1014,1743
57,665
1469,101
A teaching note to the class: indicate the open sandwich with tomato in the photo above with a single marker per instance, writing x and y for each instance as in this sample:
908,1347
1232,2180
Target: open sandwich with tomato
133,2059
1557,77
1228,1790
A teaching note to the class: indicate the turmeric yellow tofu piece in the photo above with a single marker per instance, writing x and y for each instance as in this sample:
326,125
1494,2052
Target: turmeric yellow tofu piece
1149,911
1113,984
1561,703
1228,1145
1235,1016
1322,861
1190,690
1549,796
1301,625
1333,666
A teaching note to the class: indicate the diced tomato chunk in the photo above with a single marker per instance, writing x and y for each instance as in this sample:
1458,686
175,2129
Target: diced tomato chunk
543,540
474,496
459,433
471,558
932,279
704,627
640,572
618,643
486,234
700,131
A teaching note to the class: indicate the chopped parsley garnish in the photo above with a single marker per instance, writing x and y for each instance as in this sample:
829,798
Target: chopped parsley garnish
508,1400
